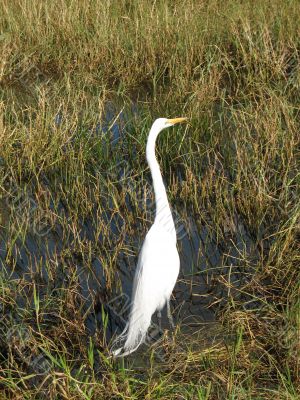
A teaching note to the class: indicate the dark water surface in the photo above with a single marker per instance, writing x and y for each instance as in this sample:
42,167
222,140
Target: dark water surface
204,259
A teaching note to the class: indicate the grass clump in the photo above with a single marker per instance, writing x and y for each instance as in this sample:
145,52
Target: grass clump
81,83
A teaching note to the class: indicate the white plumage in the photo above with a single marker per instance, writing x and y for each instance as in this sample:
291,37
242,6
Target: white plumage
158,263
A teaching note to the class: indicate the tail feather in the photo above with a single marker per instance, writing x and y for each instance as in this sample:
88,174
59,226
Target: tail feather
134,333
139,321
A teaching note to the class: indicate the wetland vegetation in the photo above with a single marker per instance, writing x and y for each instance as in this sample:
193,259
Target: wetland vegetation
81,82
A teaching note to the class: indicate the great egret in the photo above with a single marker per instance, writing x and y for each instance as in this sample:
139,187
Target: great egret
158,263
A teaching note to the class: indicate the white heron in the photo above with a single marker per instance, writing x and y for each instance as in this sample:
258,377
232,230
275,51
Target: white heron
158,263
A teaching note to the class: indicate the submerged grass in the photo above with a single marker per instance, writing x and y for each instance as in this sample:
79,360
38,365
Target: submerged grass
81,83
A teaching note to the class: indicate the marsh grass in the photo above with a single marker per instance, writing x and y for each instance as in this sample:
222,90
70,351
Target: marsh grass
233,69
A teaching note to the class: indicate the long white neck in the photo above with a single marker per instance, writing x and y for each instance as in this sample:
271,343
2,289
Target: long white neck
163,215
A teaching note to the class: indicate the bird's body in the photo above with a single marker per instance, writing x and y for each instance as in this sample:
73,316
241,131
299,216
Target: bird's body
158,275
158,263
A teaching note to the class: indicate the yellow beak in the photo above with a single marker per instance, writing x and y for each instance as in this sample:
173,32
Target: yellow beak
174,121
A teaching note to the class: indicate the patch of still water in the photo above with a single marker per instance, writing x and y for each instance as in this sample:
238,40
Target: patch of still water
204,258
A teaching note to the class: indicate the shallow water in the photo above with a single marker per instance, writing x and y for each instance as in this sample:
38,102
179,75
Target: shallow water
204,259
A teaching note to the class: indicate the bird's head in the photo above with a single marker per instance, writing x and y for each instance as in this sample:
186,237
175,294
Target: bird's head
157,126
162,123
